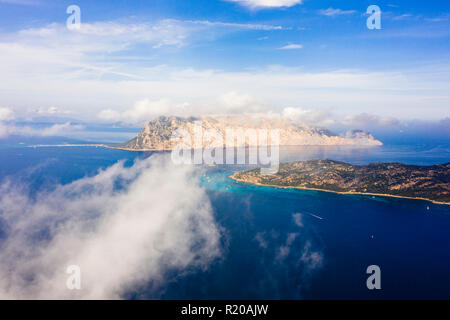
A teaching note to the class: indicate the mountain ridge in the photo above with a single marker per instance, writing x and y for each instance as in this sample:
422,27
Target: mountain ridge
158,133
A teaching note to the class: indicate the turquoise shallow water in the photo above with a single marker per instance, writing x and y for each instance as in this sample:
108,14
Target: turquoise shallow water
292,244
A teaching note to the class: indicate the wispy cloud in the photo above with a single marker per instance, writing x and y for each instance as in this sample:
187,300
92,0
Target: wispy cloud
402,17
441,18
81,49
285,249
292,46
59,129
249,26
54,65
22,2
267,3
335,12
112,36
312,259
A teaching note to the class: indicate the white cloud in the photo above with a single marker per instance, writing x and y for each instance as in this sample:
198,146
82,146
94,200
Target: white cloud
117,36
335,12
312,259
110,115
146,109
298,219
159,222
284,250
59,129
238,102
324,118
56,67
249,26
143,110
107,36
291,46
402,17
267,3
310,117
52,110
6,114
347,91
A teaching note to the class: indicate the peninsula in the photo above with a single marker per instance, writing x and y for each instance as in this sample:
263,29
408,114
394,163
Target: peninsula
430,183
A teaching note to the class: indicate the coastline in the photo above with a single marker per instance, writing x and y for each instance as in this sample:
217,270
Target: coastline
137,150
247,146
65,145
92,145
340,192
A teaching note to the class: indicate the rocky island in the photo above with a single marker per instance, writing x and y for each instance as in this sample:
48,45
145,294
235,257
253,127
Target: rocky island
157,135
388,179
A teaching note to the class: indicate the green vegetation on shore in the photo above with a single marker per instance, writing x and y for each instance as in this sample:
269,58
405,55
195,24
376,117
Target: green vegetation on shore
390,179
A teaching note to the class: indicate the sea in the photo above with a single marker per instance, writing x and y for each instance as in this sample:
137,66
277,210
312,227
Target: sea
286,243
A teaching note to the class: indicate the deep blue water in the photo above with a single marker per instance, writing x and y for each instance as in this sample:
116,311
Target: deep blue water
328,256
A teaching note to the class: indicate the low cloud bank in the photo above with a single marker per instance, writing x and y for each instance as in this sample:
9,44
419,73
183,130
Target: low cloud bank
6,114
145,110
126,228
9,128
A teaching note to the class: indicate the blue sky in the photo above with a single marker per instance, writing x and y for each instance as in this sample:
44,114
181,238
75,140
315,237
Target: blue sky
413,31
137,59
